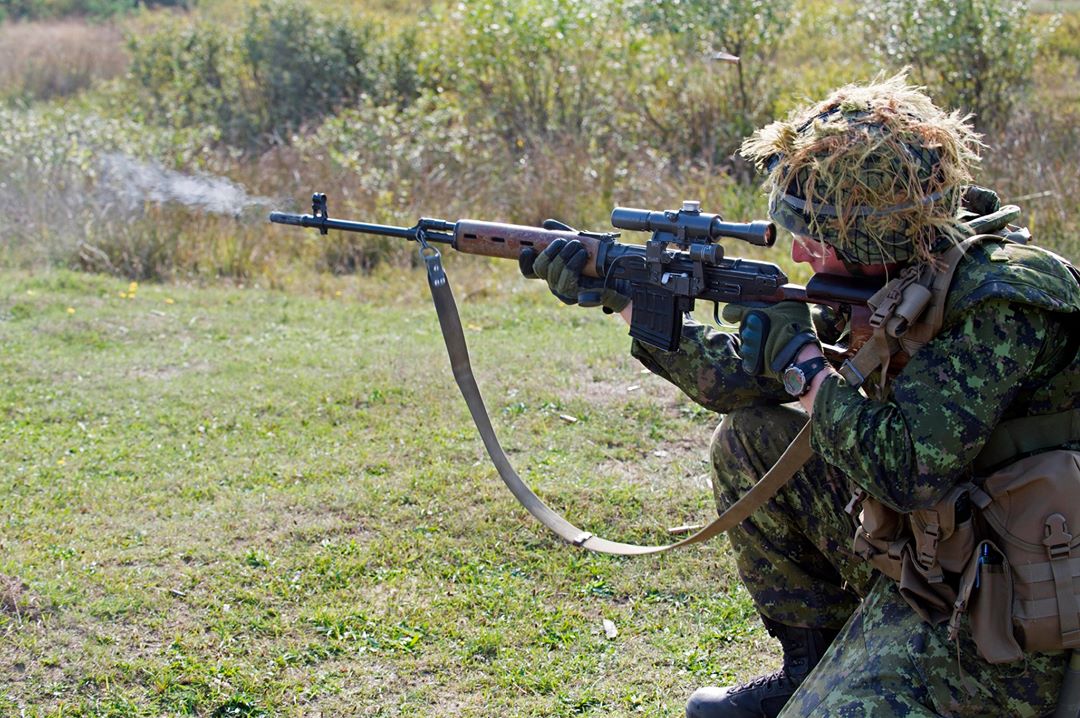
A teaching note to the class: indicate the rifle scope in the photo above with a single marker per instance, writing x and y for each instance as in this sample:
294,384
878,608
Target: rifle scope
689,224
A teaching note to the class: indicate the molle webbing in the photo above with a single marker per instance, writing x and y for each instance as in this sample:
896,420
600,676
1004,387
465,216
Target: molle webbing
1025,435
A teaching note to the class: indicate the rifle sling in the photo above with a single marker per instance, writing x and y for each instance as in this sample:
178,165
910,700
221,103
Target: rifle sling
793,458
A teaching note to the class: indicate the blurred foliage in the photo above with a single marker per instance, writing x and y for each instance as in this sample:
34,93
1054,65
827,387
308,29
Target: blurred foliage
47,60
1063,41
722,99
257,85
974,55
514,111
47,9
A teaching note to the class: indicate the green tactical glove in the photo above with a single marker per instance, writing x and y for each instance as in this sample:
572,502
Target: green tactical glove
771,336
561,264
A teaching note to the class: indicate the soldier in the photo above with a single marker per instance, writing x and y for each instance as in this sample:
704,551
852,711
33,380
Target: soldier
871,181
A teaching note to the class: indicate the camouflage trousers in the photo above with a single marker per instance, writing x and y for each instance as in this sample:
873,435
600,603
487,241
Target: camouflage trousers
794,557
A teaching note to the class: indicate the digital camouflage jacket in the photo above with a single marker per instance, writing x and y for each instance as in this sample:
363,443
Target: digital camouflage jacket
1007,348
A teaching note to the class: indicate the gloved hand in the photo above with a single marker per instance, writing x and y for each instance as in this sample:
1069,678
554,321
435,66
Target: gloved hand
561,264
771,336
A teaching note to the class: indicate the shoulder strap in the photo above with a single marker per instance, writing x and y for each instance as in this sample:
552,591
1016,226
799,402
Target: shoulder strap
450,323
793,458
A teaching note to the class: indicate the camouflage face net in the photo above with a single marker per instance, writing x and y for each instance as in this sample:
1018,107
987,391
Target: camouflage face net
876,171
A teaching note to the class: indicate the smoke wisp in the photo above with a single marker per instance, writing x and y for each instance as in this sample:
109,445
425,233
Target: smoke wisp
132,182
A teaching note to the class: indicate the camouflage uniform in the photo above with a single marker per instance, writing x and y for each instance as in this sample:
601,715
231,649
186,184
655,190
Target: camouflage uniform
1007,348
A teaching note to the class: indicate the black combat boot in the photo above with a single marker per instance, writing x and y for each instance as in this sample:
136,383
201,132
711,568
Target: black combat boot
764,696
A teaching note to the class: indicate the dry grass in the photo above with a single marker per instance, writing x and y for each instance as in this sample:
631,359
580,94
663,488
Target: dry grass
43,60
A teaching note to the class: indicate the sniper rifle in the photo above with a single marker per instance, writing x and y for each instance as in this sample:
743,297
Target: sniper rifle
681,263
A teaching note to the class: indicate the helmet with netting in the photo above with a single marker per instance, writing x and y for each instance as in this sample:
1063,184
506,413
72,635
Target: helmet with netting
876,171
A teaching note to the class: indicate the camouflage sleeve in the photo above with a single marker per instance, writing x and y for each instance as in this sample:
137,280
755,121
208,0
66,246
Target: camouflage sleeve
708,370
909,451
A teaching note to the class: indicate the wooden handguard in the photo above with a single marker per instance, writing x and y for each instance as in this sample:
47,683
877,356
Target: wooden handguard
495,239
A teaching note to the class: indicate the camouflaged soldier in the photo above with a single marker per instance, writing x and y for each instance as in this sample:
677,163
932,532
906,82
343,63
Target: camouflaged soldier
868,181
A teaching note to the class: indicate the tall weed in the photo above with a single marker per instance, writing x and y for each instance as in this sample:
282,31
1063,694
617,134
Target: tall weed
46,60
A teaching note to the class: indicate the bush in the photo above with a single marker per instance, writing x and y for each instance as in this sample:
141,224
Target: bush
181,75
975,55
287,66
613,77
719,102
301,64
534,69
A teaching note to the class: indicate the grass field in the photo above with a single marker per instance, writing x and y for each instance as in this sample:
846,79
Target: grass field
241,502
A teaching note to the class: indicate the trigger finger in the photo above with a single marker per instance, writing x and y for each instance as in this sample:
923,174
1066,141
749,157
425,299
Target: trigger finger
733,313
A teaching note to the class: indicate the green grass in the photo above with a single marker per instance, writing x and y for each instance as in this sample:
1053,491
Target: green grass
243,502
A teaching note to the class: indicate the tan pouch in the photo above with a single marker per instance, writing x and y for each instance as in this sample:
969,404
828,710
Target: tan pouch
942,541
1031,509
986,590
930,597
943,536
879,536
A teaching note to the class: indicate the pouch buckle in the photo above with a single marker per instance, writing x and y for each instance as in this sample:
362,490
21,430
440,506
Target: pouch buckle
1057,537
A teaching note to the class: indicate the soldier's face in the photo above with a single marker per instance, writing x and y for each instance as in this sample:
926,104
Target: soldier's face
823,259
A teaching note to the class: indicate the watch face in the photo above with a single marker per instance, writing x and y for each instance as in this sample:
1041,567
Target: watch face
794,381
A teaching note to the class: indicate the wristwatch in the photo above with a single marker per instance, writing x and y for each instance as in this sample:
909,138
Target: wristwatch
797,377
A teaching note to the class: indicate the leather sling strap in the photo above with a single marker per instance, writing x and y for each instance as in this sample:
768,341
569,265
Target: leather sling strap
793,458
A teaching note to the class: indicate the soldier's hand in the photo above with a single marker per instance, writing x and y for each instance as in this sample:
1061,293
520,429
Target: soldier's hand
561,264
771,336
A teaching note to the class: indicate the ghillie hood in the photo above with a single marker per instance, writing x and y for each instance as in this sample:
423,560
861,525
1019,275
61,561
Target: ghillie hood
876,171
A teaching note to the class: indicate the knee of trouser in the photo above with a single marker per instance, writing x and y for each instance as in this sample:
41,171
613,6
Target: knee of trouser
732,468
747,443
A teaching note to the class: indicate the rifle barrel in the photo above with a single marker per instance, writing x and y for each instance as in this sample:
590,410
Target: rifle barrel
308,220
434,229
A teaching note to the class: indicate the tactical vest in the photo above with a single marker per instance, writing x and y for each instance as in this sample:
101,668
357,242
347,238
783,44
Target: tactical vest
1000,547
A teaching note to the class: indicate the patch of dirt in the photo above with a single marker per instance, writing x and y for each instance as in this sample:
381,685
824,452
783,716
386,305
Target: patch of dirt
627,387
18,600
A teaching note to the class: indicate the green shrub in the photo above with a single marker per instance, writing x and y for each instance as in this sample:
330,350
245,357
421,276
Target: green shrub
975,55
534,69
717,102
302,63
287,66
182,74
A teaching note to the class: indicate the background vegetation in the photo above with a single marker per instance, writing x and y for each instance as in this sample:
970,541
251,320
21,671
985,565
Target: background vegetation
509,110
220,496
